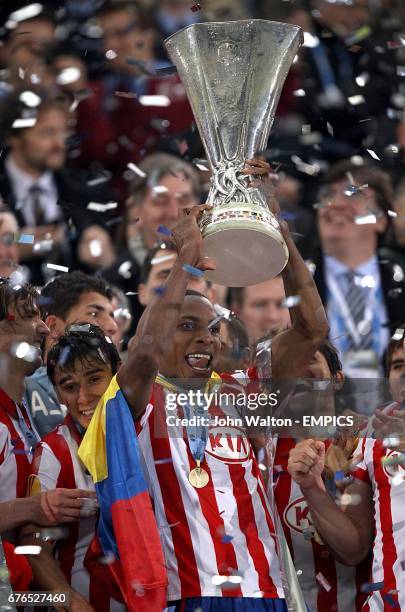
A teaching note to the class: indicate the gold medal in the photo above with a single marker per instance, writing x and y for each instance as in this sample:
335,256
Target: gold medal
198,477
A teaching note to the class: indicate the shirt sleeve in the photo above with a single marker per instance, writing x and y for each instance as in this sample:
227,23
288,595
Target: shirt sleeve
4,443
360,469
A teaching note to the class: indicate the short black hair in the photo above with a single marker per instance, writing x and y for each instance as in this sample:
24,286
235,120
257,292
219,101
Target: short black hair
393,345
83,342
64,291
150,256
143,18
237,331
193,292
331,355
16,296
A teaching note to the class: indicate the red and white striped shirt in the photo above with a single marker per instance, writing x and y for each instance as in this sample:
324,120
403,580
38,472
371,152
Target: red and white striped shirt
15,450
388,490
326,584
223,528
57,464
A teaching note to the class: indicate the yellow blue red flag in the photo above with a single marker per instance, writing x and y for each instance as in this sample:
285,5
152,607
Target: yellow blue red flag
127,527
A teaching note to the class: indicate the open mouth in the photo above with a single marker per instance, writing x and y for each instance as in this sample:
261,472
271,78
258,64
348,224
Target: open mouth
88,413
199,362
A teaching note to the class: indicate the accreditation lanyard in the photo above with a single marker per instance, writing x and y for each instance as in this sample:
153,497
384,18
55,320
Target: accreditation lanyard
340,299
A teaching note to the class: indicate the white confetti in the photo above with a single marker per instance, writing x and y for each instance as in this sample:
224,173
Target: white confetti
223,312
136,169
68,75
125,269
398,335
154,101
95,248
23,350
392,441
365,219
299,93
323,582
111,54
159,189
27,550
329,128
100,207
58,268
365,281
27,12
29,98
290,301
310,40
356,100
362,79
24,123
399,274
162,258
373,154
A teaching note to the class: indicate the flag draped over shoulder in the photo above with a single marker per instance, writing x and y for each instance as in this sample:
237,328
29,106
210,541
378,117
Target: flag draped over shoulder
127,526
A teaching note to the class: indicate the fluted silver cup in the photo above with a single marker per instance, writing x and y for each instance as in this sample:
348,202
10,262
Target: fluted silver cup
233,73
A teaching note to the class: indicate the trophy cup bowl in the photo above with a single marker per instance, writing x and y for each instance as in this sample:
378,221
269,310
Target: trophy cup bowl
233,73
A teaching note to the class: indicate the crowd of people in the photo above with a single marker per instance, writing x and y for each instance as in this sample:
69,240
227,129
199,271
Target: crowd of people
106,311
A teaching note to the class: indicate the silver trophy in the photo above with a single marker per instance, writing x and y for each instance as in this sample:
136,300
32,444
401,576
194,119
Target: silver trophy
233,73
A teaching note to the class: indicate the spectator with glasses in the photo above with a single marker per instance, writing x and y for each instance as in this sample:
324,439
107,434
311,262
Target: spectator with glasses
361,283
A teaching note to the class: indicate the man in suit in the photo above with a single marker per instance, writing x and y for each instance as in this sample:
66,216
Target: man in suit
360,282
49,200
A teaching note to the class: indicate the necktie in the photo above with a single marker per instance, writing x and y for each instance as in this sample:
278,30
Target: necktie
35,192
356,301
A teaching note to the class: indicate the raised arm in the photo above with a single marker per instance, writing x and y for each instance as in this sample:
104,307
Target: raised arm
293,349
348,532
158,323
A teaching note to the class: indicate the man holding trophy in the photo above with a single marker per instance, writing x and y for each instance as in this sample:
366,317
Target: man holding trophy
217,529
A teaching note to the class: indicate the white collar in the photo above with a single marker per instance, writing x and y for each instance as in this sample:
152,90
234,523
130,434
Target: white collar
22,182
368,268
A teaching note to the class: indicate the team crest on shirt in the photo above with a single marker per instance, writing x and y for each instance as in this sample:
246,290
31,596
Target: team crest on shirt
229,444
297,516
391,463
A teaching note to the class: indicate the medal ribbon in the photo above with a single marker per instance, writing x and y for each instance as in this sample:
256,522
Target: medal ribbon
30,437
197,435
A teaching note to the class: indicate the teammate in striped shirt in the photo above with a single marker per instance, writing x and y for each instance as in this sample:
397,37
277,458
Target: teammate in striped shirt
21,335
89,362
224,528
326,584
373,517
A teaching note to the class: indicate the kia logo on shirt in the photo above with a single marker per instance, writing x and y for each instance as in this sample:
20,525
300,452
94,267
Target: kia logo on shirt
228,444
393,467
297,516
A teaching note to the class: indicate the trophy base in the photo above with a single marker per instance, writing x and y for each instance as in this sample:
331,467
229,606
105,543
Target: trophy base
244,253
